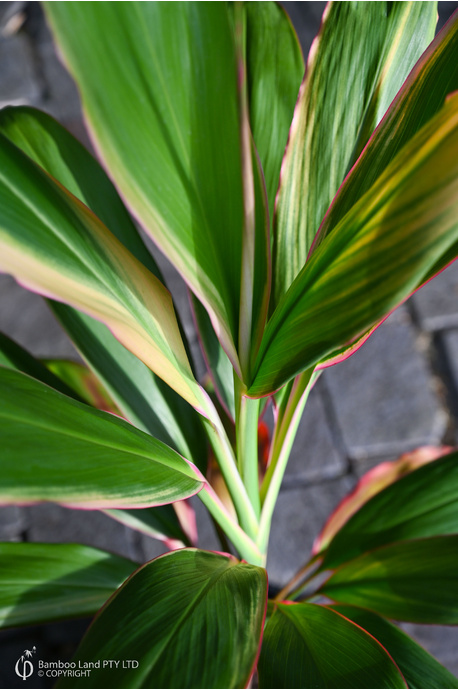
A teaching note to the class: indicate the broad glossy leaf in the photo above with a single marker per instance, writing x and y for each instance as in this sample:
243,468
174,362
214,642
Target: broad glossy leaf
275,68
192,619
55,449
143,398
371,484
13,356
178,162
53,244
372,260
361,56
408,581
46,582
420,669
160,522
422,504
310,646
82,380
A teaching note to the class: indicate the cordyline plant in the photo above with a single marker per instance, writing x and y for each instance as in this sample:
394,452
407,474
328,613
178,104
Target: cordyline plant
300,211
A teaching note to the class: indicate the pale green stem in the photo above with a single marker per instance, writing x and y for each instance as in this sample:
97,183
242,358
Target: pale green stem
282,444
242,542
246,418
286,413
282,398
226,461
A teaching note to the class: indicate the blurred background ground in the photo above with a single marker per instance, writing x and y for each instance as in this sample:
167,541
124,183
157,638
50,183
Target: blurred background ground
398,392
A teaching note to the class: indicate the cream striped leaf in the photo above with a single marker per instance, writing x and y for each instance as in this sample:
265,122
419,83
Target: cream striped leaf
140,395
53,244
170,86
357,63
422,95
374,258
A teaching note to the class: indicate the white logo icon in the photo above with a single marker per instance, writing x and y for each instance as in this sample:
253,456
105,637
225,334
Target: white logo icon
24,667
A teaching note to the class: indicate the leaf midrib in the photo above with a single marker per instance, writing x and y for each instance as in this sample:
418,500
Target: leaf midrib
187,612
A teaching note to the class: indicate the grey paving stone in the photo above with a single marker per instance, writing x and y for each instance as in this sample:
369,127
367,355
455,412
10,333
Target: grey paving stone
151,548
298,518
306,18
383,396
436,304
360,467
445,11
439,640
60,98
12,523
52,523
18,80
12,16
314,455
26,318
207,537
447,347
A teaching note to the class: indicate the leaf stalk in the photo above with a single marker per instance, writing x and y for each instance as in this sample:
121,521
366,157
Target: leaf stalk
246,418
242,542
282,444
225,457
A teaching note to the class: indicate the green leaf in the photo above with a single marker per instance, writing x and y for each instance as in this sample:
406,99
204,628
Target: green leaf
55,449
310,646
63,157
421,97
46,582
409,581
434,77
178,162
14,356
370,485
143,398
420,669
255,251
192,619
275,68
53,244
373,259
359,60
424,503
159,523
82,380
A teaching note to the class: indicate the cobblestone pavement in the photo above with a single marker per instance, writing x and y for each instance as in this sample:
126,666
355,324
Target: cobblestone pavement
396,393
